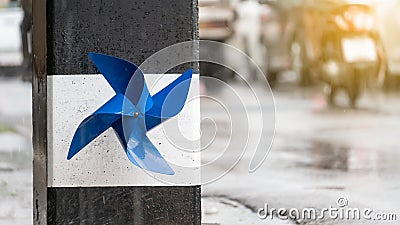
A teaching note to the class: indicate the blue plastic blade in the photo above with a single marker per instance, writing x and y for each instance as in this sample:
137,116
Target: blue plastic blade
119,73
144,102
118,105
121,131
89,129
169,101
152,121
123,128
143,153
98,122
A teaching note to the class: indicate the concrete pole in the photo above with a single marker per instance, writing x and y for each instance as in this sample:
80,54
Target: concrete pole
64,31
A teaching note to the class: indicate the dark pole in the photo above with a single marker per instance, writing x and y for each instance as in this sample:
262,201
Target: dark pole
39,111
64,31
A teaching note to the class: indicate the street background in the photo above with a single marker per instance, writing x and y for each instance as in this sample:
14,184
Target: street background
320,152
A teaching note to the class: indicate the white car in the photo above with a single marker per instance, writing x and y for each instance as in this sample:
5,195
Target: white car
10,36
216,19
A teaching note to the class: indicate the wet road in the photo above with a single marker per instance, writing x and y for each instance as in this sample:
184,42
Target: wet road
319,154
15,152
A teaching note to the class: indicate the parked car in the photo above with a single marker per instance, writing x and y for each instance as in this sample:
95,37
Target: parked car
216,20
11,56
273,22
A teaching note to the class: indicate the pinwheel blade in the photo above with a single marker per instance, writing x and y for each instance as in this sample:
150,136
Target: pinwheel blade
118,105
144,154
145,101
98,122
89,129
169,101
123,128
119,73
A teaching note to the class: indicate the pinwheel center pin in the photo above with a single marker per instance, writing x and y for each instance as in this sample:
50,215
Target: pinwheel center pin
131,92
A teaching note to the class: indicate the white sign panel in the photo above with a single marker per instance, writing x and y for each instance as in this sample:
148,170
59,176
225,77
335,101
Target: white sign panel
103,162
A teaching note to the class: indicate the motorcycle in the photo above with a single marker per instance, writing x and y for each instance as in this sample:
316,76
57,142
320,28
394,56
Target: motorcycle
351,50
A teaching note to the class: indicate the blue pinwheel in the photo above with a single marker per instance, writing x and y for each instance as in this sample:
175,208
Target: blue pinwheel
132,112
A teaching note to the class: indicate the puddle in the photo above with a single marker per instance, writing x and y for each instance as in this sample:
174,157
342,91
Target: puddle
337,188
326,156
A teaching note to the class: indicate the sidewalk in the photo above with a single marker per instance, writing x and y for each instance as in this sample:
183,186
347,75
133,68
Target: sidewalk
223,211
15,152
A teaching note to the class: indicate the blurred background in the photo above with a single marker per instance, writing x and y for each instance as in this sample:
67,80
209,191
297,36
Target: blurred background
334,70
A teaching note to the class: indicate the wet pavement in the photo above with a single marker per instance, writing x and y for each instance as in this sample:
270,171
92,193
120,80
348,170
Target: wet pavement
224,211
323,153
15,152
319,154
